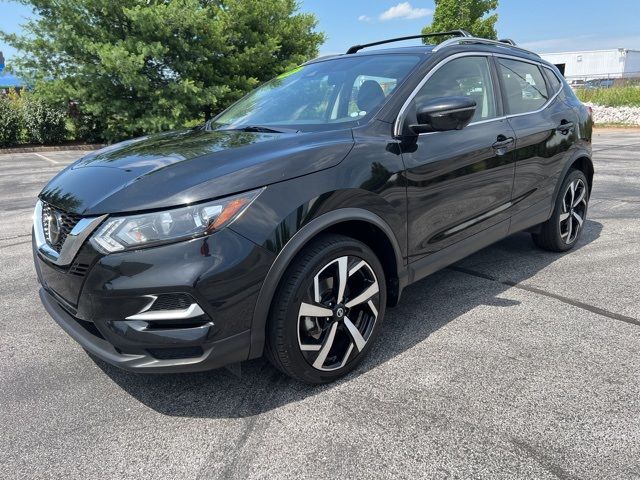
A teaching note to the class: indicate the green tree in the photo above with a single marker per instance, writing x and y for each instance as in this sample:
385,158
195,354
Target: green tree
141,66
469,15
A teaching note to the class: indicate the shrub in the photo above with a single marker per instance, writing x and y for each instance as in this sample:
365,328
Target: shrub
88,128
10,123
611,97
44,123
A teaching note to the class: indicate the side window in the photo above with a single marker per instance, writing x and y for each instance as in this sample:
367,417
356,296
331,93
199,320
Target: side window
466,76
555,82
524,86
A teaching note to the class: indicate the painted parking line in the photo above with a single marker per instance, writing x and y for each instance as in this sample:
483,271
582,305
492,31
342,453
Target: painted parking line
46,158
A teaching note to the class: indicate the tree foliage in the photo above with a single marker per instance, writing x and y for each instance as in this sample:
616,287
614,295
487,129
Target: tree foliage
469,15
139,66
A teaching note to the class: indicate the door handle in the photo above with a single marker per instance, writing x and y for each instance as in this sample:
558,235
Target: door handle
564,127
501,144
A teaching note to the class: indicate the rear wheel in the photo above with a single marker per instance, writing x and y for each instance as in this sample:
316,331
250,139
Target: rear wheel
562,231
327,310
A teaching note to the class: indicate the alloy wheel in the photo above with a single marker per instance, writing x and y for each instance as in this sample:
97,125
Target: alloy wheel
338,313
574,208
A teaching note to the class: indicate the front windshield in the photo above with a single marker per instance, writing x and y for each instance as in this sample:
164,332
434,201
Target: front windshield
338,92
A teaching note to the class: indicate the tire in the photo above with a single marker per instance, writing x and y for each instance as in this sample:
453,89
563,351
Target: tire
562,231
336,333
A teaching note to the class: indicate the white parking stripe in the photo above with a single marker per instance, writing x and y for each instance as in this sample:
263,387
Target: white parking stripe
46,158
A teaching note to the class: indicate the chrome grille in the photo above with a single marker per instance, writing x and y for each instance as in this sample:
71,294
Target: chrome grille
67,222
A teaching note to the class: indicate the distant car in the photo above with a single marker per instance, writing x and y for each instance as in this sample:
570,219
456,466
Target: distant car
291,221
599,83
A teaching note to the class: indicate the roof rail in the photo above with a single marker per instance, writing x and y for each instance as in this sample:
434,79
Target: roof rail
457,33
483,41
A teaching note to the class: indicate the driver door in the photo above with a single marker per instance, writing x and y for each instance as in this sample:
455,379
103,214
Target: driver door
459,182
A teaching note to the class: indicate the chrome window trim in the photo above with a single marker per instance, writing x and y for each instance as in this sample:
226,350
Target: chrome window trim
503,118
539,65
397,126
76,238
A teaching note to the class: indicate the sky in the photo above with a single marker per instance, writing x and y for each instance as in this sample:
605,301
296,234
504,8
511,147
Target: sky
540,25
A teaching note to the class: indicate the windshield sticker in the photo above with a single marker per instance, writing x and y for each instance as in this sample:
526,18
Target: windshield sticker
290,72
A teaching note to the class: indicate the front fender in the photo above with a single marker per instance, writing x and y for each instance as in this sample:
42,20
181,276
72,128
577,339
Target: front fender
293,246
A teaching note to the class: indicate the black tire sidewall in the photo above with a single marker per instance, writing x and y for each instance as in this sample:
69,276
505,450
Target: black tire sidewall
553,224
574,175
304,271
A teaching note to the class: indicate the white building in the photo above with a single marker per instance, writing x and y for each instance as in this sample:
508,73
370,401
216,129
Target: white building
596,64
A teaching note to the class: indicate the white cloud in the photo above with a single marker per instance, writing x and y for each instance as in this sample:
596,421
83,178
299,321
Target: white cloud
364,18
405,11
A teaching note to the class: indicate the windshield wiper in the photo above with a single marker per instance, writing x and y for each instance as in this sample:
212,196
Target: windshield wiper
263,129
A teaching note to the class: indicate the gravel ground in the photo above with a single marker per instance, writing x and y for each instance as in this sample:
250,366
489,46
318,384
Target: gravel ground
514,363
616,115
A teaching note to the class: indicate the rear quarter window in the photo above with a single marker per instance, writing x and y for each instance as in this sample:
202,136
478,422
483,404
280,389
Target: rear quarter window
554,81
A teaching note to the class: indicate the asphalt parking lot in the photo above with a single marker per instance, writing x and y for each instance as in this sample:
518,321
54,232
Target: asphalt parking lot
514,363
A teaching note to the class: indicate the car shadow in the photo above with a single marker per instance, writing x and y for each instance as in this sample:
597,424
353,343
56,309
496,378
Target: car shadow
425,307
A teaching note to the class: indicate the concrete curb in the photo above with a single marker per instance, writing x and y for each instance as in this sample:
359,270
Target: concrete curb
55,148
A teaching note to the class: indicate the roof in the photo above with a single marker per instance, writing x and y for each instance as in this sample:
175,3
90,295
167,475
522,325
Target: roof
415,49
428,49
459,41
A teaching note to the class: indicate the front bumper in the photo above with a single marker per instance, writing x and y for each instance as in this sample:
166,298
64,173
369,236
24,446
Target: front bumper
218,353
222,274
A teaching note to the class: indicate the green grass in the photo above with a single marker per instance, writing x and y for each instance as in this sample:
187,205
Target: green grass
611,97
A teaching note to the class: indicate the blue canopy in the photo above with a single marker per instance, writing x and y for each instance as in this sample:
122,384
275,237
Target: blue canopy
8,80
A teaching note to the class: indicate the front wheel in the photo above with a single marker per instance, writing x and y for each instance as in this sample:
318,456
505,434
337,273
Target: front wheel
562,231
327,310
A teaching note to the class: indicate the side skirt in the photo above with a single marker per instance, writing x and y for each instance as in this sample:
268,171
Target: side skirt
532,217
527,219
436,261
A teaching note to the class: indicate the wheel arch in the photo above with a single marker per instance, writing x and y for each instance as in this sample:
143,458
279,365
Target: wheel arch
585,165
580,161
357,223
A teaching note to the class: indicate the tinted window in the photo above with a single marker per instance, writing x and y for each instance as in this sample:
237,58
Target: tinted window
466,76
555,82
364,82
524,86
339,91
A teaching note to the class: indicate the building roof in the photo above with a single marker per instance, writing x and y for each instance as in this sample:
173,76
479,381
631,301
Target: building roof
591,51
7,80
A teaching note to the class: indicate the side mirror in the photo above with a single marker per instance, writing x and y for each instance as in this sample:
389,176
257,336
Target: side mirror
445,113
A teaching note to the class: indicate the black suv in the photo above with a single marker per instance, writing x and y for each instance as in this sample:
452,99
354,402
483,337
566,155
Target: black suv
291,221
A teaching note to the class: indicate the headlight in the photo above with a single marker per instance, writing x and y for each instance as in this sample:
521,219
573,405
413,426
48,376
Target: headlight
134,231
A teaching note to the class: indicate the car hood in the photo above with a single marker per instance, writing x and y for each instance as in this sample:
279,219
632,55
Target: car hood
179,168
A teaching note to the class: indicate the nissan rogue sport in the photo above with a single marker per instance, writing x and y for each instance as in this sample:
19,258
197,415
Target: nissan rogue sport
289,223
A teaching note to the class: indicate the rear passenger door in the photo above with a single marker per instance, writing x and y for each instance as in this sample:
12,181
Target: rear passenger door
545,131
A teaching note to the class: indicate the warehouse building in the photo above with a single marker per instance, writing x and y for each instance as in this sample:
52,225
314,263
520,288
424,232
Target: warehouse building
614,64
